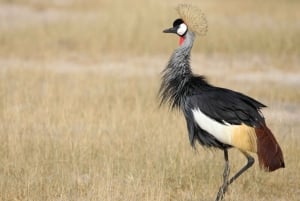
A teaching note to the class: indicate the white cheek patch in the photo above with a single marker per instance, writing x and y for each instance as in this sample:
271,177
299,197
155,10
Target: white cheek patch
182,29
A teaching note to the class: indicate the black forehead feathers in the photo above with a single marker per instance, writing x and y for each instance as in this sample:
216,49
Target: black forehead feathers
177,22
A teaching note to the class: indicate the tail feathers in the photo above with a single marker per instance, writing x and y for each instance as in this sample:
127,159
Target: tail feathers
268,150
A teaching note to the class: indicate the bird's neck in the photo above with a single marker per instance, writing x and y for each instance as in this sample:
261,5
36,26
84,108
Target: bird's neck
177,73
179,63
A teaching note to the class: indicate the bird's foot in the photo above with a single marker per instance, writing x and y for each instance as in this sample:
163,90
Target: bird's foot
222,191
224,187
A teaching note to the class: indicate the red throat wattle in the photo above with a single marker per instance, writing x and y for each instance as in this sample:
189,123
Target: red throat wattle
181,40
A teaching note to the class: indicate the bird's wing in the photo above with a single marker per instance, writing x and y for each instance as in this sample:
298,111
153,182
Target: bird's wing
227,107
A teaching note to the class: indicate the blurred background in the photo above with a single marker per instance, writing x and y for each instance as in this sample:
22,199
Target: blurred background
79,114
68,28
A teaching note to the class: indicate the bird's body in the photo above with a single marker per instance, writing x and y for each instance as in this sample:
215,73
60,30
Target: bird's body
217,117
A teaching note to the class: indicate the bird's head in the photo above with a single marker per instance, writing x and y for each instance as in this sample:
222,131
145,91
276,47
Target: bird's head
191,19
179,28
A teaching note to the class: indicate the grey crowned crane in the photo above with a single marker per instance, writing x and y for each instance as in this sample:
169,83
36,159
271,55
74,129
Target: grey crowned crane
216,117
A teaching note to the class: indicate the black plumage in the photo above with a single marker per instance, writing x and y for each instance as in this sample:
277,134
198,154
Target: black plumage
226,106
223,105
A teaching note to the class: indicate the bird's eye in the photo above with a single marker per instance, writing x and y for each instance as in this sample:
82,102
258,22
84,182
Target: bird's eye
182,29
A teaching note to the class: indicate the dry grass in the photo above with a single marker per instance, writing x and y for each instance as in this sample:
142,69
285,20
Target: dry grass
80,121
93,136
134,27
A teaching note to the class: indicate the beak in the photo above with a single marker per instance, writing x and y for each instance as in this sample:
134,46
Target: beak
170,30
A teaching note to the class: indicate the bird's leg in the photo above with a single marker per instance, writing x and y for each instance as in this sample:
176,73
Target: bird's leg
247,166
225,184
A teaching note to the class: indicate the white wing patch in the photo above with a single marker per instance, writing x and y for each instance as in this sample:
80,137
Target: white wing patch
220,131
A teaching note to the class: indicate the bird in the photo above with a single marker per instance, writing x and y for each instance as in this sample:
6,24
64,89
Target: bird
216,117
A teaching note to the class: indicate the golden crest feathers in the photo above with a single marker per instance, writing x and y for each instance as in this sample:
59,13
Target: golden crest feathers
194,18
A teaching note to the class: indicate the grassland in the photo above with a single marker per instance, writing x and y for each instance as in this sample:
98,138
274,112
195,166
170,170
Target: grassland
79,115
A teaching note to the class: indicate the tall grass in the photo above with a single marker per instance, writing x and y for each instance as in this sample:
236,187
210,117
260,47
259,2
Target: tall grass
90,136
135,27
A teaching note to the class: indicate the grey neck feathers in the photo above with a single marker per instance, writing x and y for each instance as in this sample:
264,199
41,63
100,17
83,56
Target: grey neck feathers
179,62
177,73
